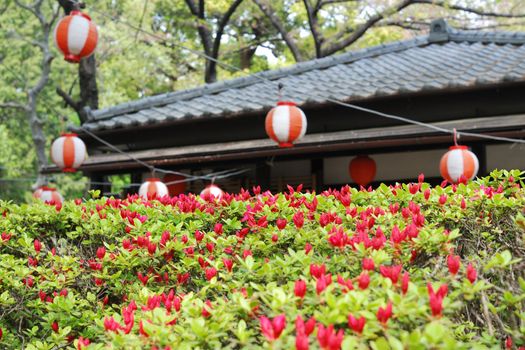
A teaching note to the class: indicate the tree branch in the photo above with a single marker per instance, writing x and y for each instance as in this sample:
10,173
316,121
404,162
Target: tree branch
211,66
313,23
67,99
193,7
360,31
467,9
276,22
14,105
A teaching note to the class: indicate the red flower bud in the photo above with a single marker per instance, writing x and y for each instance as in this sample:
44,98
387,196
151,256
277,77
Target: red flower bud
357,325
54,326
328,338
218,228
210,273
228,263
281,223
300,289
508,343
199,236
404,282
368,264
298,219
363,280
453,262
317,270
37,245
152,248
272,329
471,273
101,252
307,248
384,314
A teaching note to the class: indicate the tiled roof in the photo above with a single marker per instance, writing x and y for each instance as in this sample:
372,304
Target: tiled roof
443,59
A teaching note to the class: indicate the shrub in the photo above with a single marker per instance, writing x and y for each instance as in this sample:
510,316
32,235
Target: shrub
405,266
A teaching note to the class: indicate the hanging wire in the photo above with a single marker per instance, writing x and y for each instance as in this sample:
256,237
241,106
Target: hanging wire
338,102
153,169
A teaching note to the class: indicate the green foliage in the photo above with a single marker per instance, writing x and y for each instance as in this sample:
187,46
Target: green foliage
151,245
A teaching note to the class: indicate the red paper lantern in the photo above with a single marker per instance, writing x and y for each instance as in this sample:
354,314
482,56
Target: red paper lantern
285,124
362,170
68,152
212,190
48,194
152,187
459,163
76,36
176,188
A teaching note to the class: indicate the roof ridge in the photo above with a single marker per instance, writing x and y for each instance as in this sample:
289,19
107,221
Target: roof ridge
439,32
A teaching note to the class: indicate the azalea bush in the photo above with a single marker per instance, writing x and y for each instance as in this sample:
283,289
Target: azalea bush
399,267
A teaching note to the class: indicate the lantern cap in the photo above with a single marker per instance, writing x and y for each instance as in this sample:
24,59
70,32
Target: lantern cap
46,188
451,148
68,134
286,103
153,179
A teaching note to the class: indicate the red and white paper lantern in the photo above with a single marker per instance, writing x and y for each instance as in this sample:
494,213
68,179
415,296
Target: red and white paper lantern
459,164
48,194
68,152
285,124
362,170
212,190
76,36
152,187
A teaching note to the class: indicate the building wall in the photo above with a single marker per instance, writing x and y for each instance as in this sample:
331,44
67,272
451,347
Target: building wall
408,165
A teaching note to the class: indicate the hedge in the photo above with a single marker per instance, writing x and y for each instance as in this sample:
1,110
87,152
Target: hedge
408,266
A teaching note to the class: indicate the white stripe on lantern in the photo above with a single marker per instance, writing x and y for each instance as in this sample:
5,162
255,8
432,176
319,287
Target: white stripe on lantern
77,34
281,123
455,164
215,191
57,152
160,189
48,196
80,152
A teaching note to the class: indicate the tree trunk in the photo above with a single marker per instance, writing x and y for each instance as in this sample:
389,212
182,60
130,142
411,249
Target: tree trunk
87,72
246,57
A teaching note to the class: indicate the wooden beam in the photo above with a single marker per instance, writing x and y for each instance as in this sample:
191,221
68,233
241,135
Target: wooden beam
396,136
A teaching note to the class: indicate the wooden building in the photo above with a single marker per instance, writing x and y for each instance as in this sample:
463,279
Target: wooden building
470,80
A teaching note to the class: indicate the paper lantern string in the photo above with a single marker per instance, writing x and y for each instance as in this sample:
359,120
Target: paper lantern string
456,136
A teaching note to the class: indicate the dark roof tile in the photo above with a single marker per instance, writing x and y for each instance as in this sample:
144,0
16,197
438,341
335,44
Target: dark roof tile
443,59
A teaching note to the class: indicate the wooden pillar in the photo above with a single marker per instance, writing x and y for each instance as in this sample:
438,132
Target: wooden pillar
317,167
480,149
263,174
